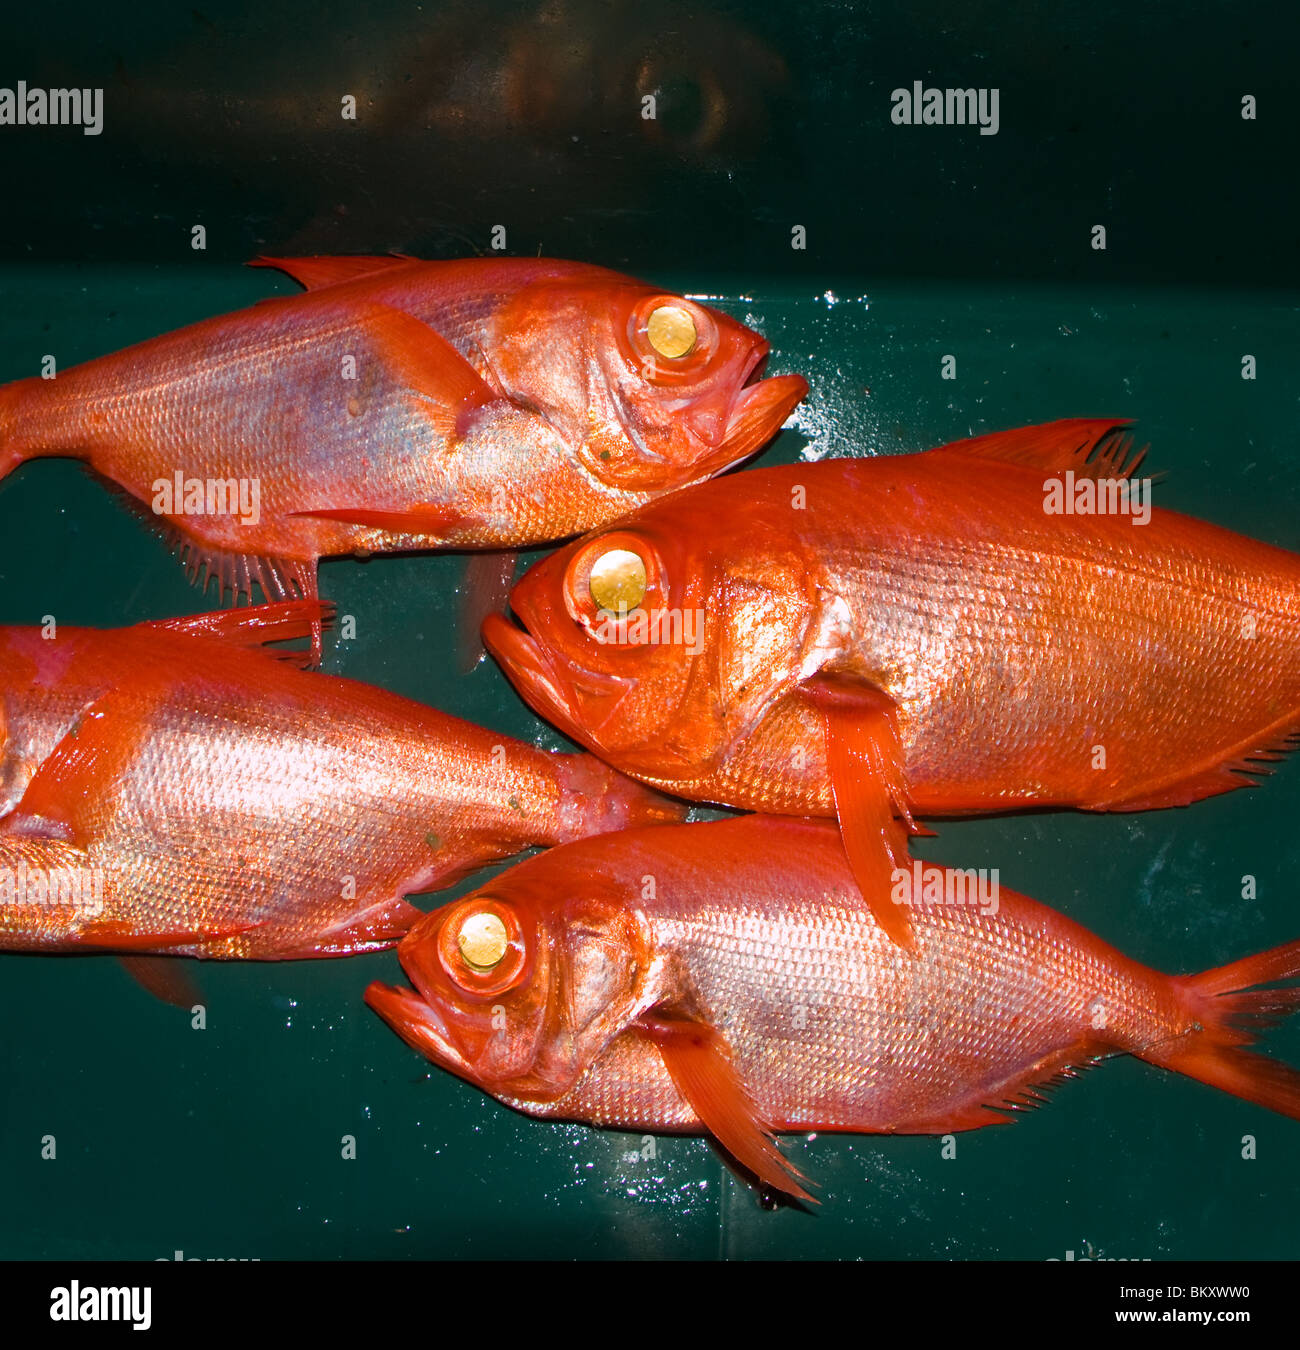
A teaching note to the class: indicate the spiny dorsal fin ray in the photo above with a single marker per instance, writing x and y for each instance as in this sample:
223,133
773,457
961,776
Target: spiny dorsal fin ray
1092,447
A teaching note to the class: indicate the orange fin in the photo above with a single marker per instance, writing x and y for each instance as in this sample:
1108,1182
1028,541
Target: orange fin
866,771
237,573
1243,767
438,521
485,590
380,926
1093,447
81,773
117,935
325,270
699,1062
255,625
1229,1014
447,389
165,978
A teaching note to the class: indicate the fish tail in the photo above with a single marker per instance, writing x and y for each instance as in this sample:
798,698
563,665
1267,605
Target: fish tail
595,799
1229,1010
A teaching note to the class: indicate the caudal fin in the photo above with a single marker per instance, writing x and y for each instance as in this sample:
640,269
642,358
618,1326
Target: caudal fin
1230,1011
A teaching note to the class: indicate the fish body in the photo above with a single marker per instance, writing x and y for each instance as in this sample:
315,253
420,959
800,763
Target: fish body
219,802
729,977
922,622
400,404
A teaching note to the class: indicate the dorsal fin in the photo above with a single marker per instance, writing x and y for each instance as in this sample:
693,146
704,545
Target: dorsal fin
324,270
1093,447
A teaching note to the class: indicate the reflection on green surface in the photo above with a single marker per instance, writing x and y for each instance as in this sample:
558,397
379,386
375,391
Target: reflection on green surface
227,1142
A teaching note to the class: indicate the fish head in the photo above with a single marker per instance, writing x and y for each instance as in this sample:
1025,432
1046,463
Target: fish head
521,985
658,642
652,391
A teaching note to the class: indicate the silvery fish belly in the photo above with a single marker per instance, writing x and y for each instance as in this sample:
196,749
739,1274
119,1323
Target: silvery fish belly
730,978
195,795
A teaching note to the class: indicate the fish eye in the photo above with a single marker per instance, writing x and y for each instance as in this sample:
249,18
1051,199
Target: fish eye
670,330
618,581
483,941
670,340
481,946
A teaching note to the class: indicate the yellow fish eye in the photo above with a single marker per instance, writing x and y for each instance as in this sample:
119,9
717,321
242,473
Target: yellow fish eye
618,581
671,331
482,941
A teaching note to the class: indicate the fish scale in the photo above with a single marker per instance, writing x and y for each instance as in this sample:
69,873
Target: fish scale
239,807
730,977
487,403
918,635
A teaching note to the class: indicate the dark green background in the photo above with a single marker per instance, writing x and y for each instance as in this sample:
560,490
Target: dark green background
930,241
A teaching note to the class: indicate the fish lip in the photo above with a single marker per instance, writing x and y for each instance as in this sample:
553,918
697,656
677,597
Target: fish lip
534,672
417,1022
530,669
757,413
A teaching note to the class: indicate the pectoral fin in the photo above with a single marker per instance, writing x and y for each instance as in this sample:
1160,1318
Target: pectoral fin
430,519
446,388
75,781
699,1062
865,761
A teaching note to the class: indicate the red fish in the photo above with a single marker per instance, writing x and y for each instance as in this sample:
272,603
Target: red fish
917,635
486,403
195,796
729,978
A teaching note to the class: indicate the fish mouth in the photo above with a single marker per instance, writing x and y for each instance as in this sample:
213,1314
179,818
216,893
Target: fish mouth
417,1024
548,691
756,415
527,667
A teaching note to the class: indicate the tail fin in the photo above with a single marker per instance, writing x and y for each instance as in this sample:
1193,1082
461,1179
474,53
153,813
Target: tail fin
1230,1011
595,799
